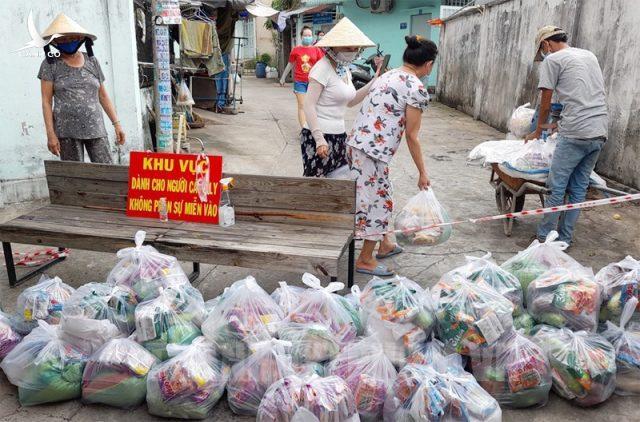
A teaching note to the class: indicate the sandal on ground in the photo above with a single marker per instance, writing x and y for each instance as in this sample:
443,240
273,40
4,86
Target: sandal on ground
379,271
396,251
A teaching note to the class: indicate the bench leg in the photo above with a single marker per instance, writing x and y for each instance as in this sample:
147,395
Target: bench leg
196,272
11,268
351,265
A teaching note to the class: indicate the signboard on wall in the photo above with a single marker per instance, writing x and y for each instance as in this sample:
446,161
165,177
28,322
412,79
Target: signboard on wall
182,187
169,11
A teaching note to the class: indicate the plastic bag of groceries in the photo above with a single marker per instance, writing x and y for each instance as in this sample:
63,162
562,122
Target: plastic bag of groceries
308,398
9,336
102,301
565,297
440,392
188,385
515,371
146,270
184,95
427,353
534,158
620,282
583,364
245,316
368,373
310,342
520,121
422,210
626,341
250,378
471,316
400,312
287,297
117,374
87,335
530,263
321,305
44,301
524,323
159,323
485,270
44,368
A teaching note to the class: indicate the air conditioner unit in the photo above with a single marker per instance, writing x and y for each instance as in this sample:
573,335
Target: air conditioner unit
381,6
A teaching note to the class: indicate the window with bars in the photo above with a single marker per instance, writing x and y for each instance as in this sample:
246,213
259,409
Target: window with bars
456,3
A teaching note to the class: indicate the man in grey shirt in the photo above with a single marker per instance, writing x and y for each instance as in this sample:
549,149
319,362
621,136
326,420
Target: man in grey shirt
574,75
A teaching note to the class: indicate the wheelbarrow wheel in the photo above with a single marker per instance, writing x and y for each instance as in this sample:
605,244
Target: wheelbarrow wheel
506,204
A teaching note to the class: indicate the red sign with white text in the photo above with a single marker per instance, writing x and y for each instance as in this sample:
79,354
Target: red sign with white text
189,183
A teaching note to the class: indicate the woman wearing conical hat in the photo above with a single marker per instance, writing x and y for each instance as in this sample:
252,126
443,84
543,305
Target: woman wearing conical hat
74,95
330,91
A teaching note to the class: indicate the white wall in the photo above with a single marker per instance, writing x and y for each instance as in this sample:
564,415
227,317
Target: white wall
23,146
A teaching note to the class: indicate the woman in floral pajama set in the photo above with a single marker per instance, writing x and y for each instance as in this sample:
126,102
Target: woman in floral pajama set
394,104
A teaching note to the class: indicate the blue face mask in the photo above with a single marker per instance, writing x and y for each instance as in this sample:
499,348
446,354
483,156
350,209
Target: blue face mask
69,47
307,40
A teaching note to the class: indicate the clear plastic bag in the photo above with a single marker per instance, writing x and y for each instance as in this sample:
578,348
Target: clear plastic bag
245,316
368,373
515,371
427,353
287,297
117,374
44,301
524,323
530,263
146,270
323,306
471,316
250,378
583,364
44,368
626,341
159,323
535,157
520,121
620,282
184,95
565,297
310,342
422,210
485,270
188,385
400,312
295,398
9,337
87,335
440,392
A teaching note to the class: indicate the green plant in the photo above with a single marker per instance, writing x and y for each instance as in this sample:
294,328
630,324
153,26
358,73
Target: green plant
281,5
265,58
250,64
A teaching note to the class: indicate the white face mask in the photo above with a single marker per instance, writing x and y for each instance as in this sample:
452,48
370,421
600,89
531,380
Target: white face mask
346,56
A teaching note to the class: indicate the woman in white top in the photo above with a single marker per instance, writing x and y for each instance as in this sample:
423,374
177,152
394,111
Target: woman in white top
330,91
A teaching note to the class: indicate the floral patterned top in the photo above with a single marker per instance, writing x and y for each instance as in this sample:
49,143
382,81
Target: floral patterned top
380,124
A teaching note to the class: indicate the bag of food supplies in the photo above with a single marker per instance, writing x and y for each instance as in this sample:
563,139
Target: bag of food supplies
427,353
245,316
485,270
530,263
524,323
520,121
44,368
565,297
250,378
87,335
422,210
321,305
146,270
310,342
400,312
535,157
515,371
117,374
626,341
296,398
583,364
620,282
188,385
471,316
368,373
159,322
9,337
44,301
287,297
440,392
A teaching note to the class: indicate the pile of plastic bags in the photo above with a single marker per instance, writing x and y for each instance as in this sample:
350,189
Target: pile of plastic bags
620,282
416,218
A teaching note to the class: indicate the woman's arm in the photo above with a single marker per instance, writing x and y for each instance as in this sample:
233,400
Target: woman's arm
46,88
108,107
414,119
285,73
362,93
310,100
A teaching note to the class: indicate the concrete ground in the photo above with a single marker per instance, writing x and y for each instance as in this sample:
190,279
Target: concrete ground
263,139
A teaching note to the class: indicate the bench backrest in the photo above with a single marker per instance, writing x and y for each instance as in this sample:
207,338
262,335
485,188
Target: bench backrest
297,200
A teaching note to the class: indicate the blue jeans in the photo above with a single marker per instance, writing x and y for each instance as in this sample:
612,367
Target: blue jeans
573,162
222,82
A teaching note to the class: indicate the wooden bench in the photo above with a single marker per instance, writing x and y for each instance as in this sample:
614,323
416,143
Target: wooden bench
282,223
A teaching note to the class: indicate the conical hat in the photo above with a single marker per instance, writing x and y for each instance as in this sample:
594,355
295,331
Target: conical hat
345,34
64,25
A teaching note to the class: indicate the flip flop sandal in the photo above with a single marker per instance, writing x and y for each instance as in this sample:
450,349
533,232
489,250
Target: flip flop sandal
397,250
380,271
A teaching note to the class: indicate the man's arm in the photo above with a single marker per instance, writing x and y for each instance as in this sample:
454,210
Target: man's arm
543,116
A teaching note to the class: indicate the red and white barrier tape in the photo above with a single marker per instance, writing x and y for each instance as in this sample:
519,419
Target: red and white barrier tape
538,211
38,258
